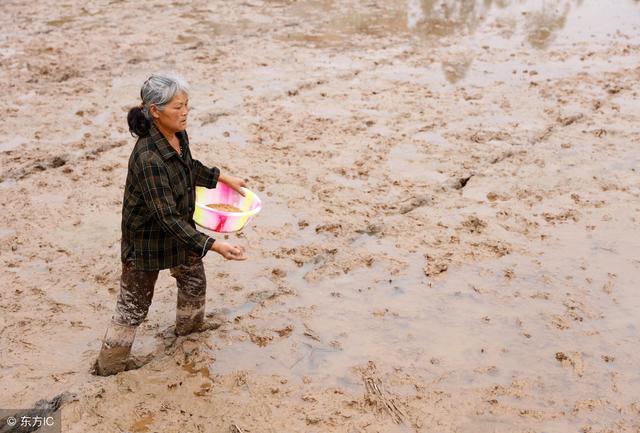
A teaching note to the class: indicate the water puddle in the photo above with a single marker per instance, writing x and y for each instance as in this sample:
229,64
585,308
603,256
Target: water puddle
6,233
101,227
34,267
51,200
223,130
334,337
12,143
518,317
432,138
468,30
240,311
7,52
536,23
408,161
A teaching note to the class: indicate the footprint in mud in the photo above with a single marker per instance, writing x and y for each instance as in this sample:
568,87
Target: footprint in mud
569,120
371,230
260,296
610,284
141,425
258,338
213,320
458,182
574,361
334,229
473,224
562,217
436,266
415,202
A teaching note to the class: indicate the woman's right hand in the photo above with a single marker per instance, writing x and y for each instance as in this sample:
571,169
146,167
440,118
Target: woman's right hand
228,251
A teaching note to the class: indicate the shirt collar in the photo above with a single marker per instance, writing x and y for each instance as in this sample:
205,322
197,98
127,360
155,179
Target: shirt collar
165,149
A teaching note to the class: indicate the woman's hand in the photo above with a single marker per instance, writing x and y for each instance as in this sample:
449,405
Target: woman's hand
228,251
235,183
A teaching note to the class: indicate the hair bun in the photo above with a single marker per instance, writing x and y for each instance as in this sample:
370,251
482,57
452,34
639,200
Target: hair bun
138,124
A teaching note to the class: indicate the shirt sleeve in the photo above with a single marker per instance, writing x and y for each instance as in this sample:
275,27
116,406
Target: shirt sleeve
158,196
205,176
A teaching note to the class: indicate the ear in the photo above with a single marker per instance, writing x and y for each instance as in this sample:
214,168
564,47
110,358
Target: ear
155,113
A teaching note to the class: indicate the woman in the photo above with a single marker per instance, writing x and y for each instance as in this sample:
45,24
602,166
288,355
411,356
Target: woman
158,231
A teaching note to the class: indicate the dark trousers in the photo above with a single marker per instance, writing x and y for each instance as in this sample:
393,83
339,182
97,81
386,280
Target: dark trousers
137,286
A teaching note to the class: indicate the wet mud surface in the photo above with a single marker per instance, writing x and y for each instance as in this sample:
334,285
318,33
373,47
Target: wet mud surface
450,233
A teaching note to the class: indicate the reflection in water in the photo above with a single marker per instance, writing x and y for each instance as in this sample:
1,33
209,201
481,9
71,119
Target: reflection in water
456,69
415,13
543,25
441,17
446,17
436,18
504,23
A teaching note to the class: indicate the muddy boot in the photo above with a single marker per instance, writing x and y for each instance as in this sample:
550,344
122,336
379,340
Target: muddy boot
189,314
116,347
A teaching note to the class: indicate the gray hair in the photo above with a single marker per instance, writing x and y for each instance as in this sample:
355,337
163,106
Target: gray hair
159,90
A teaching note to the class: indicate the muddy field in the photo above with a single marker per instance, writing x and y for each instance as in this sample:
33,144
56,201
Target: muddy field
450,239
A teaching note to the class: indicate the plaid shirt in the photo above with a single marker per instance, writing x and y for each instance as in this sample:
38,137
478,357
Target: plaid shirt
159,200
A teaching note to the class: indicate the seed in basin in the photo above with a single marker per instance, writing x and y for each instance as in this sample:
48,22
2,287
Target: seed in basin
224,207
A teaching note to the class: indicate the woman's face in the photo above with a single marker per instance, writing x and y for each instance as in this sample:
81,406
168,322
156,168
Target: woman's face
173,117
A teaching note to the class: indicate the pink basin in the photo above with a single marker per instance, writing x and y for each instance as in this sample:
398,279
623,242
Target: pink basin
220,221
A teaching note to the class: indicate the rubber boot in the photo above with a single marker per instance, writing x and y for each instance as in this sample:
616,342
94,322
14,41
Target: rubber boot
189,314
116,348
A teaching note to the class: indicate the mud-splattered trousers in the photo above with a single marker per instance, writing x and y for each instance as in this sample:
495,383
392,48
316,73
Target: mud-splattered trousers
136,292
137,287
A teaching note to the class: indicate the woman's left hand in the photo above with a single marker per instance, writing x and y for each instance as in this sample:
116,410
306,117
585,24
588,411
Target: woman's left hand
235,183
